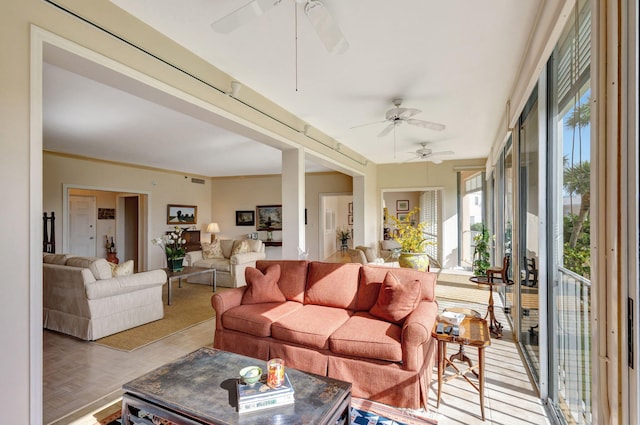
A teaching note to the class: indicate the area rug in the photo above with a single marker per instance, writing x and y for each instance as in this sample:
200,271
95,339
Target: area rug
190,305
363,412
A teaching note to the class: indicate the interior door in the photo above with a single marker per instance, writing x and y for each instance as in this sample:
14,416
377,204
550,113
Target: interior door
82,225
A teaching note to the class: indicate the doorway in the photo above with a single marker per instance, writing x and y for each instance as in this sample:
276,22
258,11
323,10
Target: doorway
82,225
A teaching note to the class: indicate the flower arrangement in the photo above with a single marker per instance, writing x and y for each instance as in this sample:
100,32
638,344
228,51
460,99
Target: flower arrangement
343,234
410,237
172,244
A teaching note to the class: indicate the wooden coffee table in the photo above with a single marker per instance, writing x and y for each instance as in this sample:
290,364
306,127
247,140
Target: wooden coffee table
473,332
185,273
200,388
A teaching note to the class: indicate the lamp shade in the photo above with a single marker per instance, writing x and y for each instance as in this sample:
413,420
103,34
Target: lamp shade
213,228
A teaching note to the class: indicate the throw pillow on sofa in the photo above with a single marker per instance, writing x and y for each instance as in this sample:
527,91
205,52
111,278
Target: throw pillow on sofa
212,250
240,247
396,300
124,269
262,288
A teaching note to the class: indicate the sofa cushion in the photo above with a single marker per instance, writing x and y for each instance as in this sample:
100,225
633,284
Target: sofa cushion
99,266
220,264
332,284
293,277
227,246
371,277
311,325
211,250
262,288
396,299
256,319
255,245
369,253
59,259
364,335
240,247
124,269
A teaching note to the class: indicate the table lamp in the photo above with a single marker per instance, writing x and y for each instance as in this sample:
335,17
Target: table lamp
213,228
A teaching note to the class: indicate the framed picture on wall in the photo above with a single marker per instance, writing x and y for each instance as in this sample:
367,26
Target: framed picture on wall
269,217
402,205
182,214
350,220
245,218
402,216
350,207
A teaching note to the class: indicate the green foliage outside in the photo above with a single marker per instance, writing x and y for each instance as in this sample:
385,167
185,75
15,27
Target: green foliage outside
481,254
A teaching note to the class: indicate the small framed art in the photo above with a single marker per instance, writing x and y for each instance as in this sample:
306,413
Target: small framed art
245,218
402,205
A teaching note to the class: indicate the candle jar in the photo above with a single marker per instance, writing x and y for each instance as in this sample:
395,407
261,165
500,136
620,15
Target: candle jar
275,373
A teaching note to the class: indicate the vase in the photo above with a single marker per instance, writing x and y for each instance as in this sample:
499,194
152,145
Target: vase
417,261
175,264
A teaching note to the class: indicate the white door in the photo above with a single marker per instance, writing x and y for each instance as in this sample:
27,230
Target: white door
82,225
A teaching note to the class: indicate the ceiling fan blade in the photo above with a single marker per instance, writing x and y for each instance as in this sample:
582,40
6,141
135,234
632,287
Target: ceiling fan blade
364,125
435,160
326,27
242,15
427,124
387,129
405,113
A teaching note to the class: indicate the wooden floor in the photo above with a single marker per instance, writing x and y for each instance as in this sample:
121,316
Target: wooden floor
80,377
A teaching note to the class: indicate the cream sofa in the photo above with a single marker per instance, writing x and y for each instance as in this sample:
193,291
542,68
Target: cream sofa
82,298
230,257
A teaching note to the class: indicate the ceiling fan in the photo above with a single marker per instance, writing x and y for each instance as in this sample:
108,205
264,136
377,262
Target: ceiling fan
425,153
398,115
324,24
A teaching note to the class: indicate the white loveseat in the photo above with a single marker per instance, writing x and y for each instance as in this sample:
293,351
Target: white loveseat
82,298
230,257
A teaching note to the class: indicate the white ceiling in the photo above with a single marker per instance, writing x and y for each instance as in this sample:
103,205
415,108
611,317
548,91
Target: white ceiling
456,61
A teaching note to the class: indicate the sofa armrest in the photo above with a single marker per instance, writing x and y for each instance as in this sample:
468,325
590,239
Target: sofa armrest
247,257
192,256
125,284
416,334
225,300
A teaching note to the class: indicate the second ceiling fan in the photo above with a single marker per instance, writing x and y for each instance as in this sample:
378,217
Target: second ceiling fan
322,21
397,115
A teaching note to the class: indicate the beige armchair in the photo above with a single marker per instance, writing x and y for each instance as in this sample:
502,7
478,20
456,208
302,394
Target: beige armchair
364,255
389,250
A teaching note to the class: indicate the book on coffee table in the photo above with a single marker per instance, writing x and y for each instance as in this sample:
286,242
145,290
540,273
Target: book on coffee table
257,396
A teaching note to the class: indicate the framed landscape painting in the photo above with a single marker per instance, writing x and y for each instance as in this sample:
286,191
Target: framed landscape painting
269,217
182,214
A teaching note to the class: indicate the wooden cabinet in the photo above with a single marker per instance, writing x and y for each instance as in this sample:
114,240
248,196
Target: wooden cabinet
193,240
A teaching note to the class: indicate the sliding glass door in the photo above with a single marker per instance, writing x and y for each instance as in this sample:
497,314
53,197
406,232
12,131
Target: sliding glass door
569,247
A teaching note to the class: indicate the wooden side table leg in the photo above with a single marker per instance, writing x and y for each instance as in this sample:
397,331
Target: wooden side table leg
481,379
442,347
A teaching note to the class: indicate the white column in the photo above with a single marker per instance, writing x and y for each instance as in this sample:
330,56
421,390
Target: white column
293,200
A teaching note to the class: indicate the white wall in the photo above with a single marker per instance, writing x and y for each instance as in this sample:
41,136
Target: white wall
163,187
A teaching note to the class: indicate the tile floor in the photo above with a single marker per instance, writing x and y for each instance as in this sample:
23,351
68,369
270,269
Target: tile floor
80,377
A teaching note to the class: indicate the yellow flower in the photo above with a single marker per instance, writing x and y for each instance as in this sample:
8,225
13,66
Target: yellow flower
412,238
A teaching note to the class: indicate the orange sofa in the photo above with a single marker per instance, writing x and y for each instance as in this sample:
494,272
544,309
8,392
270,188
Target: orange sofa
328,322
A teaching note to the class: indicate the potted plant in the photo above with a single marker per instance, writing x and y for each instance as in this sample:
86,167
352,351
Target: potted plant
412,240
343,235
173,246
